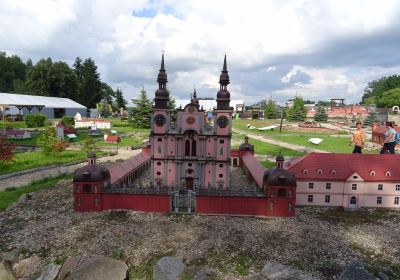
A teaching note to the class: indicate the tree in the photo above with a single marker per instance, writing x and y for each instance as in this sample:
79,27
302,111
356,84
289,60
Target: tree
12,73
140,113
6,150
90,86
378,87
172,106
298,111
49,142
372,117
62,81
89,145
389,98
320,115
38,78
270,111
120,101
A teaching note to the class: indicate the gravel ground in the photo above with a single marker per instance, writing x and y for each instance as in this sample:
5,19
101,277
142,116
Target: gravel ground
318,240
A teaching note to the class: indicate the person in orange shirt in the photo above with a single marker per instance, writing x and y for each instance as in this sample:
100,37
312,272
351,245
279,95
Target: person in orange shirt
358,138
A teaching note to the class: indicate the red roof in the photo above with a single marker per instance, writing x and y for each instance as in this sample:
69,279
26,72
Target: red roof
121,170
254,167
339,167
113,138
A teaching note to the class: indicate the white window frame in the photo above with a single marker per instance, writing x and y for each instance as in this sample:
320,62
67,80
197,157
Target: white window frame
379,200
310,197
353,187
327,199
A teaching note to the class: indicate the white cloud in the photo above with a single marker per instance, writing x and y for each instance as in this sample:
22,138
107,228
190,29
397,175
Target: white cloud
126,38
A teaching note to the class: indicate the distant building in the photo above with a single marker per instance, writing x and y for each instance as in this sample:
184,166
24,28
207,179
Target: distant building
52,107
93,123
18,134
347,180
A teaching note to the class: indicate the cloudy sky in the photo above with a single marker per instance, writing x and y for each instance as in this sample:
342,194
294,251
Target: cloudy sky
317,49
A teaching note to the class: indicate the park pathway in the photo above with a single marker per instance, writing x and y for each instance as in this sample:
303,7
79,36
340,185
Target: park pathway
25,177
265,139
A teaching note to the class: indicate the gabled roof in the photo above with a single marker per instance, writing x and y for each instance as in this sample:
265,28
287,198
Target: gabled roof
11,99
339,167
123,169
254,167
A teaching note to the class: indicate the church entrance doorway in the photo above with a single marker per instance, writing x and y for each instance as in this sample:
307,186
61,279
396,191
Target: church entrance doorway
189,183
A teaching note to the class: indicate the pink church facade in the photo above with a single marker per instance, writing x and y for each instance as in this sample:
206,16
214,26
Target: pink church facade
189,153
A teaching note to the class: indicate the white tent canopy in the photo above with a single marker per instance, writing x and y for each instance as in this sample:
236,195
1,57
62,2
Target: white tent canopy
9,99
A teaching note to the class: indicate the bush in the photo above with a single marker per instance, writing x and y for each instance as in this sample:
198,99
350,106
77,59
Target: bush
35,120
68,120
49,143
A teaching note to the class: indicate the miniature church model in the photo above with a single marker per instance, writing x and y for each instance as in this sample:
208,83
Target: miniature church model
187,167
190,153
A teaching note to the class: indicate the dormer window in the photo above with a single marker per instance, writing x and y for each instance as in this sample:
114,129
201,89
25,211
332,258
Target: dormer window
372,173
333,172
305,171
319,171
387,173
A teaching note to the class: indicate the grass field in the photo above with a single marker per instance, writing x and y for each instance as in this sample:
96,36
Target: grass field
30,160
12,124
266,148
242,125
329,143
10,195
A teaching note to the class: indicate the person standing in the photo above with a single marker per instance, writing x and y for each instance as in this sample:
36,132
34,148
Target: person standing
390,139
358,138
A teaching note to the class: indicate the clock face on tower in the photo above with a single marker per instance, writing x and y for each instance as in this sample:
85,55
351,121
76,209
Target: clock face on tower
159,120
222,121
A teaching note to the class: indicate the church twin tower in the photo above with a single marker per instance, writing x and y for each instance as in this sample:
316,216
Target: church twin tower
189,153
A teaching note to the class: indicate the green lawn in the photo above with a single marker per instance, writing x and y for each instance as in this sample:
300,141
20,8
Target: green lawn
266,148
30,160
10,195
242,125
13,124
329,143
268,164
31,141
125,142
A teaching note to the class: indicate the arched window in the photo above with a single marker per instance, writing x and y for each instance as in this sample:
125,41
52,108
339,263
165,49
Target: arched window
319,171
372,173
194,148
305,171
333,172
387,173
187,148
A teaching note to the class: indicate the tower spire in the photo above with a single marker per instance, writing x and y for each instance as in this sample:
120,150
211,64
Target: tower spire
223,95
162,94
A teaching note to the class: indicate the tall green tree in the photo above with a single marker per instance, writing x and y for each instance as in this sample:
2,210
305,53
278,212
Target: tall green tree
120,101
377,87
141,112
12,73
270,111
38,78
52,79
90,86
320,115
389,98
298,111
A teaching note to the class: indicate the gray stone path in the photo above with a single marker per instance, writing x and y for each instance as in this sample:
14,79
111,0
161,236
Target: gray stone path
22,178
266,139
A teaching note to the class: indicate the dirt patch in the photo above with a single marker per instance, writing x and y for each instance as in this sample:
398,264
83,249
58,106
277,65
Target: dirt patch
236,247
